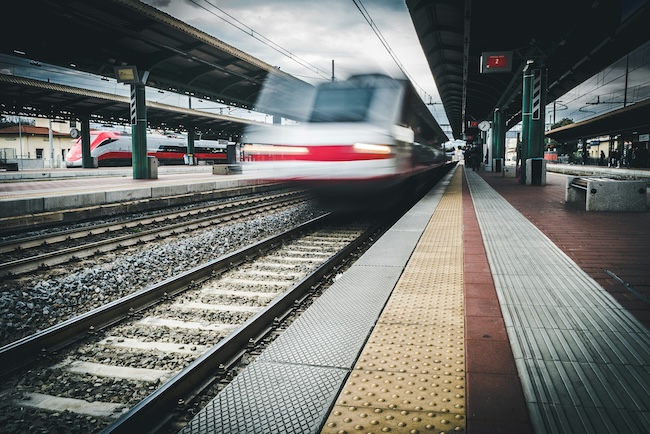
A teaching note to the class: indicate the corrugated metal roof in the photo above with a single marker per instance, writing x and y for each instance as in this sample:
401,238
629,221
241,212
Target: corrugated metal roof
29,130
571,40
96,36
38,98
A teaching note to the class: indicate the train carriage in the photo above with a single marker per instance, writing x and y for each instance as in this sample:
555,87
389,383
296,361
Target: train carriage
114,149
361,139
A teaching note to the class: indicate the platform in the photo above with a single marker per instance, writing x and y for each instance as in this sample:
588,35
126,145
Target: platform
469,315
41,191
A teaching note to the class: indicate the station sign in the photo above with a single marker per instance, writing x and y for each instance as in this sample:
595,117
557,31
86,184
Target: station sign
127,74
496,61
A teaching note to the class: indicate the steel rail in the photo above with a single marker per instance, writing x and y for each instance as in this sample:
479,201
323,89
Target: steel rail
99,229
63,256
158,408
30,348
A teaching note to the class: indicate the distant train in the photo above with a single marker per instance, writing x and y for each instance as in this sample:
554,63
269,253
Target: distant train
114,149
363,139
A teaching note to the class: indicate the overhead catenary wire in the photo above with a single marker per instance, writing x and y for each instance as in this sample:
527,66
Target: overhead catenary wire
263,39
384,42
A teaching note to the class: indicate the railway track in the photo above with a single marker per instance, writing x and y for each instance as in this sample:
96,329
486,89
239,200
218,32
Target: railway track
120,367
23,255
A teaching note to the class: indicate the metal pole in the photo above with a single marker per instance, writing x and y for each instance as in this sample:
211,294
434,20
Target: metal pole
538,115
526,115
86,155
51,144
190,146
139,132
20,140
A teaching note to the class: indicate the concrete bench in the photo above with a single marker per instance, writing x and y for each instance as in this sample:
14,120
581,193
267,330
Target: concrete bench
226,169
607,194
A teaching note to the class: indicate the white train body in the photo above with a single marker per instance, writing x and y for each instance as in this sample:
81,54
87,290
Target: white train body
114,149
359,138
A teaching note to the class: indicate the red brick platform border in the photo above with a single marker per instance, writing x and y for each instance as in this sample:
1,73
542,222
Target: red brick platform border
495,399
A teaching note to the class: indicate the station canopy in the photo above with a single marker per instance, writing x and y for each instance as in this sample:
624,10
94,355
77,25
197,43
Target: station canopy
97,36
572,40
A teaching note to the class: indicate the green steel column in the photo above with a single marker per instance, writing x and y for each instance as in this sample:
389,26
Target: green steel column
526,107
538,113
495,129
498,134
139,132
191,161
86,157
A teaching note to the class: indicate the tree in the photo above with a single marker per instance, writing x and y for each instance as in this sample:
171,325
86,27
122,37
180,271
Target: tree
10,121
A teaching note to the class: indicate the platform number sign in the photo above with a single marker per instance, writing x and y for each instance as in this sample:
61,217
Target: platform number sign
496,61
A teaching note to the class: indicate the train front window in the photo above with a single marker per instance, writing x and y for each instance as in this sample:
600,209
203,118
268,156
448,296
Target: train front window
106,142
342,105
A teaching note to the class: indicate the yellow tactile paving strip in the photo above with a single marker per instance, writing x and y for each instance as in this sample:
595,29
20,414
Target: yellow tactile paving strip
410,377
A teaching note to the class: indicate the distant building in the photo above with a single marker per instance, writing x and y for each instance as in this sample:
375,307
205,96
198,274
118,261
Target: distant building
30,146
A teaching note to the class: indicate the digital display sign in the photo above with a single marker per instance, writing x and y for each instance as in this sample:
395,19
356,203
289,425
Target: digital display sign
497,61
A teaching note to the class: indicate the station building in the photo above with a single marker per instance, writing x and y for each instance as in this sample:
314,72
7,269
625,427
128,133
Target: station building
31,147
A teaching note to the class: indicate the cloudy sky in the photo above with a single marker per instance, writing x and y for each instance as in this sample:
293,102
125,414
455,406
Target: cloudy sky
302,37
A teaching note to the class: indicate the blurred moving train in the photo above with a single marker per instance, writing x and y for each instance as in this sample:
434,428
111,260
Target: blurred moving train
368,138
114,149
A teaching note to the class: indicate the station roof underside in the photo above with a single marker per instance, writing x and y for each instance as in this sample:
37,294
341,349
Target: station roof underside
35,98
95,37
631,119
573,40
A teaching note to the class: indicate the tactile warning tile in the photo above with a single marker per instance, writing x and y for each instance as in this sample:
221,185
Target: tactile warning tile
394,248
382,421
421,315
300,394
335,327
410,376
582,358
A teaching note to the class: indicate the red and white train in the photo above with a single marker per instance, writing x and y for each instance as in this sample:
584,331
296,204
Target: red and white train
114,149
367,138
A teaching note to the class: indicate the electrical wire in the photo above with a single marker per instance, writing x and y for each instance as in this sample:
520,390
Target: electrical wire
263,39
384,42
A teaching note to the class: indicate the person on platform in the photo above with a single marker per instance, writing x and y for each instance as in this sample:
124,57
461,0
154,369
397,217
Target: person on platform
476,157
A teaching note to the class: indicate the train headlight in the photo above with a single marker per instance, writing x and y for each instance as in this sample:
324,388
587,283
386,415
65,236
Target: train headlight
367,148
275,149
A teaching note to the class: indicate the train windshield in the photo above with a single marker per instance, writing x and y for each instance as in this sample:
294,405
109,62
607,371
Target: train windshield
342,105
106,142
